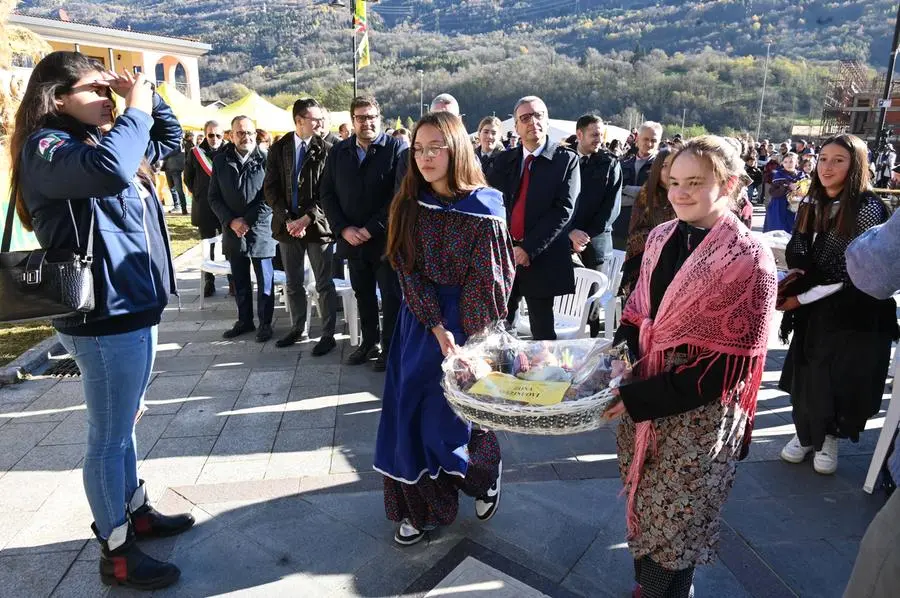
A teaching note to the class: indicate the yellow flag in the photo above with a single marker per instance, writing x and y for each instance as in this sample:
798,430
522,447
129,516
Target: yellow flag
359,17
364,51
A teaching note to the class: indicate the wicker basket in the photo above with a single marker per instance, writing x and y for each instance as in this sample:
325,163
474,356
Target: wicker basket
567,417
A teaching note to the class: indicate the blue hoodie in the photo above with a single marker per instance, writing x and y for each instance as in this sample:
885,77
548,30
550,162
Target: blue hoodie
63,178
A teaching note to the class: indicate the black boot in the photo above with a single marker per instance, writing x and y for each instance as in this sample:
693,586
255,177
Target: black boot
209,284
123,564
150,523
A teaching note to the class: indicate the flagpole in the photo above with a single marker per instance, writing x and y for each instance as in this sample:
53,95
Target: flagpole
355,64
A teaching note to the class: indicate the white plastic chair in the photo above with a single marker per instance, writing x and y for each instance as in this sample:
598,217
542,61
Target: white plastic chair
344,291
891,422
222,267
570,312
610,303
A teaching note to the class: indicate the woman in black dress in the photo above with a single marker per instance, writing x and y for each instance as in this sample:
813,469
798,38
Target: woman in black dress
840,351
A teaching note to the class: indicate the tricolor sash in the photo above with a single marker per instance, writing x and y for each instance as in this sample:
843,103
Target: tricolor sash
203,160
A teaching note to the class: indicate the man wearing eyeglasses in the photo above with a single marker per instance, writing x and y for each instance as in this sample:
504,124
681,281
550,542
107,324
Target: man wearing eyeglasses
236,196
540,182
197,172
356,191
293,171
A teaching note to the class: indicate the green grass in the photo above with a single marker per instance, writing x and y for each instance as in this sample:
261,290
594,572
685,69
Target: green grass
182,234
15,339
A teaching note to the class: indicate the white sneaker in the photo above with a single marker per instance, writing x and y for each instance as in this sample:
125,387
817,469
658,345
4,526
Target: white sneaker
826,460
794,452
407,535
486,506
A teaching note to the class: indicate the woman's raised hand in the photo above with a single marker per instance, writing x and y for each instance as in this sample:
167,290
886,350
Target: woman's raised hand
136,89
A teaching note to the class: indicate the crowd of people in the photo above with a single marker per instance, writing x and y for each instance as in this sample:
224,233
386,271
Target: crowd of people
443,236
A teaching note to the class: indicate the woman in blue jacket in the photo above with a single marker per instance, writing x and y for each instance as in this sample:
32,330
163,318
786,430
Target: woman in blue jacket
78,170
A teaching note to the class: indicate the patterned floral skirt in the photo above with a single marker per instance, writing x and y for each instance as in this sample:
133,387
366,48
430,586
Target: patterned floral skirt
431,502
684,486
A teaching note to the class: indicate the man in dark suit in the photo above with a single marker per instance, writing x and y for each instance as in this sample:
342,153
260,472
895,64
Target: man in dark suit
197,173
635,171
601,195
356,192
236,197
540,182
291,188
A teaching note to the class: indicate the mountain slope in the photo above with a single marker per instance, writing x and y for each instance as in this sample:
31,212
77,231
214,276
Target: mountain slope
660,58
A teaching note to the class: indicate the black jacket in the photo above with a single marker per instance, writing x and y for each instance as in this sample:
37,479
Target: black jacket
197,181
600,200
552,194
487,160
236,191
632,178
359,194
278,188
174,162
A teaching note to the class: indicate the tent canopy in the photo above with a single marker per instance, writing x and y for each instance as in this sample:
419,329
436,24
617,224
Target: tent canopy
190,114
266,115
560,129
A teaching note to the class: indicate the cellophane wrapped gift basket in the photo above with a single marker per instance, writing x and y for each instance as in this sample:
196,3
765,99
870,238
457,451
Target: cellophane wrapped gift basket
499,382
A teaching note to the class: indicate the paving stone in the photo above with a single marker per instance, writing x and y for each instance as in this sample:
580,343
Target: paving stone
306,409
56,404
167,395
81,581
201,418
72,430
251,441
175,327
27,390
282,524
176,461
269,381
177,366
11,523
16,439
232,348
257,360
814,568
224,379
25,575
149,430
301,452
232,471
207,494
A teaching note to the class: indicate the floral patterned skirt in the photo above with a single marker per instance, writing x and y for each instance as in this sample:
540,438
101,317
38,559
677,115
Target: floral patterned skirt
431,502
684,486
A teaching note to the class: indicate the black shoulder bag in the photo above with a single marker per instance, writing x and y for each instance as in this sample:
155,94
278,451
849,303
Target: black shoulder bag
43,283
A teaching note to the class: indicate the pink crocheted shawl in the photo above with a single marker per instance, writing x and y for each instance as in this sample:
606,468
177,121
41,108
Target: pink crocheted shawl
719,305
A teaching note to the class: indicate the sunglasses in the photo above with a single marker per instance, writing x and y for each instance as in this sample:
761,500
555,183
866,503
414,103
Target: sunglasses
214,135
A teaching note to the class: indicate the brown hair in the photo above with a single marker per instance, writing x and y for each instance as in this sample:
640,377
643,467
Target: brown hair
657,195
723,157
463,176
815,216
361,102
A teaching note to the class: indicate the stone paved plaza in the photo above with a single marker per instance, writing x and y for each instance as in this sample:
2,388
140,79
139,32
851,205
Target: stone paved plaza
271,450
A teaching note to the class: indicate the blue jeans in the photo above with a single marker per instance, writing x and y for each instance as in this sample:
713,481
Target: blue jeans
115,371
243,288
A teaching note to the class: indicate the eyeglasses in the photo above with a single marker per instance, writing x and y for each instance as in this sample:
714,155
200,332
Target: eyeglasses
314,120
432,151
213,135
245,133
530,116
363,118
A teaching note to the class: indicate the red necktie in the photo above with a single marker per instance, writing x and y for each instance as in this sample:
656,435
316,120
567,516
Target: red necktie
517,218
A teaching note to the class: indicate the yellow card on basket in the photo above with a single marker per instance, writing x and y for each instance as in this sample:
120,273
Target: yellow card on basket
510,388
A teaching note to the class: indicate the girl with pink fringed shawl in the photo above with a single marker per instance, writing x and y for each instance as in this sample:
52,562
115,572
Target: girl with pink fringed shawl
698,321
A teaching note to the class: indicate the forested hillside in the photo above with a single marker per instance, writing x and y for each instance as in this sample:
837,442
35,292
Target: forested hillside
620,58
